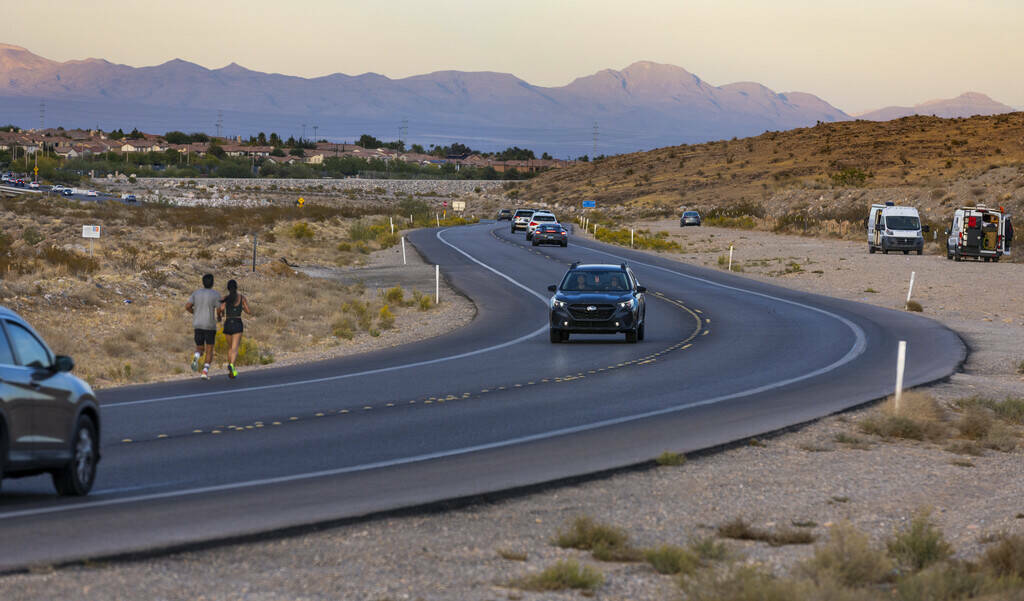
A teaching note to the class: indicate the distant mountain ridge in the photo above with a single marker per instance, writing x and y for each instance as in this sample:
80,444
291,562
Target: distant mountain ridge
644,105
967,104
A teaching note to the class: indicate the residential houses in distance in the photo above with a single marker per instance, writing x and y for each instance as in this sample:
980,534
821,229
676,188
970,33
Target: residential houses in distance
78,143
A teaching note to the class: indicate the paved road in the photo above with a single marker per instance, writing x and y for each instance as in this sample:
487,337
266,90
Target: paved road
489,407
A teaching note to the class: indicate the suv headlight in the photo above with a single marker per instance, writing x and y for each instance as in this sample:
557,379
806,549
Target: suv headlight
628,304
557,304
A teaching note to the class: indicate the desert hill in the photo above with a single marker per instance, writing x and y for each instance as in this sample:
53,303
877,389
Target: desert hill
967,104
832,171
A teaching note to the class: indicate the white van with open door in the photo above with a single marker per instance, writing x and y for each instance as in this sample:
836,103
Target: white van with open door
895,228
980,232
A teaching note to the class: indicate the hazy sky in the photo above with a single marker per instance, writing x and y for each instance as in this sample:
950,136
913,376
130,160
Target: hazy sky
857,55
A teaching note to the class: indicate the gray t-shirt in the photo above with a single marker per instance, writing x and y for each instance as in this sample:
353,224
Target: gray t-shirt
204,308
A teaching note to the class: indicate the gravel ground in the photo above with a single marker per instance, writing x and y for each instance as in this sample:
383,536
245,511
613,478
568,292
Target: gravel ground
799,476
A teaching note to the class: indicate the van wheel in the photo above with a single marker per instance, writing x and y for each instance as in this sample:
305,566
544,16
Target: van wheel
885,251
906,252
957,257
76,478
871,249
919,252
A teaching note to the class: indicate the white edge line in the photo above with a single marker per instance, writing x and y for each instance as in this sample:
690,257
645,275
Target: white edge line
368,372
856,350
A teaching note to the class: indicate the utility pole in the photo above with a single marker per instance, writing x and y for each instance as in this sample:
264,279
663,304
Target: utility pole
403,130
595,141
42,115
220,121
303,132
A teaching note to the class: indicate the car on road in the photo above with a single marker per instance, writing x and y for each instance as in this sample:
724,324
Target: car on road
49,419
33,185
521,219
91,193
538,218
57,188
504,214
689,218
598,299
550,233
67,192
19,183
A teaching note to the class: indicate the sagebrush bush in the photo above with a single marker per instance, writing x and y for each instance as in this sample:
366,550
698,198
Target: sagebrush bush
1006,557
670,559
386,318
74,262
563,575
394,296
302,231
607,543
849,558
919,544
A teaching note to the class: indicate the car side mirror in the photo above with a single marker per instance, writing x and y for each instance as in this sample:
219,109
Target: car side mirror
641,289
552,288
63,363
947,232
925,229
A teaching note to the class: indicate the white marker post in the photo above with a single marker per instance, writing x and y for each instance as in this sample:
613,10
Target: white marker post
403,251
730,257
909,290
901,359
595,230
438,219
437,284
391,219
631,237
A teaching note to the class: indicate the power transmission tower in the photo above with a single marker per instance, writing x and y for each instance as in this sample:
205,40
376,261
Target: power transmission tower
42,115
315,127
403,130
595,140
220,122
303,131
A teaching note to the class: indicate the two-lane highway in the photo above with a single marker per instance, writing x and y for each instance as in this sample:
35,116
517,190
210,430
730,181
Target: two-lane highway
489,407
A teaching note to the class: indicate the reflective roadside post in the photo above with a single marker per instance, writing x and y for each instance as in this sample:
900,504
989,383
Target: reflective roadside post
901,359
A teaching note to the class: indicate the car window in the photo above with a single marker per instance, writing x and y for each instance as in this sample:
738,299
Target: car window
544,218
6,358
31,352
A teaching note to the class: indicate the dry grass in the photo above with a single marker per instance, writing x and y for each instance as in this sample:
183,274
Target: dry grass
563,575
919,417
125,301
739,529
919,544
606,543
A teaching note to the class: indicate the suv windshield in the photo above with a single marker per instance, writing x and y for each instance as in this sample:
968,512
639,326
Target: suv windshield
902,222
544,218
523,213
595,281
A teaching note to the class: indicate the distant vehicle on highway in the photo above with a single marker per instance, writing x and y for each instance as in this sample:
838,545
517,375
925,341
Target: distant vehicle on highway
49,419
67,192
550,233
128,197
538,218
19,183
33,185
521,219
598,299
689,218
504,214
57,188
91,193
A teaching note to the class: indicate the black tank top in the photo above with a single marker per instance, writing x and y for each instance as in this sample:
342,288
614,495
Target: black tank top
234,312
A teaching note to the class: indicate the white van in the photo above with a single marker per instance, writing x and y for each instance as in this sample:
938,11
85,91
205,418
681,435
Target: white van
979,232
895,228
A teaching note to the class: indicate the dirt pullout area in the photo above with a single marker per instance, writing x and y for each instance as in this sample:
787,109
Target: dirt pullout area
798,486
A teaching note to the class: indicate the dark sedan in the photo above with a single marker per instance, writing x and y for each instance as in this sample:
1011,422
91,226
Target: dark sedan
689,218
550,233
49,419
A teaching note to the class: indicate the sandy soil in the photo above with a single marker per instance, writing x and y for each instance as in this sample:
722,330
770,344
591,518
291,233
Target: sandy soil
807,476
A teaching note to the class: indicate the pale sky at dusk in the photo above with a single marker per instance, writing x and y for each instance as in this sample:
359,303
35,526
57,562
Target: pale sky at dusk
856,55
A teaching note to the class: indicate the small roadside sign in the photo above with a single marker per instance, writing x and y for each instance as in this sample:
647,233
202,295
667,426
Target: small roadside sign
458,205
589,204
300,202
90,231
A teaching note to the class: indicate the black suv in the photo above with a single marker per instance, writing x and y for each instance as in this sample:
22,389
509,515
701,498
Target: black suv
49,419
598,299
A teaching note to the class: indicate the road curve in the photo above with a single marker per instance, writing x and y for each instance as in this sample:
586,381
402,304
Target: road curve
492,406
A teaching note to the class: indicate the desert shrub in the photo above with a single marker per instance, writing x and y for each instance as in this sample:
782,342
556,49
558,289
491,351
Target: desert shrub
919,544
744,222
395,295
74,262
914,306
670,559
899,426
563,575
361,311
343,327
975,423
512,555
748,583
739,529
386,318
1006,557
851,176
1010,410
944,582
670,458
31,236
1001,438
848,558
249,352
607,543
344,247
301,231
423,301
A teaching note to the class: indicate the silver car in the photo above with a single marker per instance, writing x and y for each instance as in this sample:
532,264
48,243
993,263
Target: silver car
49,419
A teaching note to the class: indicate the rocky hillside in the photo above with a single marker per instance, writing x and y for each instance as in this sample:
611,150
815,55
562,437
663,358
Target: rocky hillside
831,171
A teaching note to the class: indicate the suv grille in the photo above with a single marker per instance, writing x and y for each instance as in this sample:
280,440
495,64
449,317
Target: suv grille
600,312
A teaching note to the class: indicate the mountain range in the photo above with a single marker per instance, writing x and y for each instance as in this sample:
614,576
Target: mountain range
964,105
643,106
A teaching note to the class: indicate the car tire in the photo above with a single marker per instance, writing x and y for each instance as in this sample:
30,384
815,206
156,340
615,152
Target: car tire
871,249
555,336
906,252
535,243
957,257
631,337
640,332
3,453
919,252
76,478
885,251
565,244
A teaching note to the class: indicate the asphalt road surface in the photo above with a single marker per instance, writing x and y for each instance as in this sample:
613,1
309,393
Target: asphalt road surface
492,406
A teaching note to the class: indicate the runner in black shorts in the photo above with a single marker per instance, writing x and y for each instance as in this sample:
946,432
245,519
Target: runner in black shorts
203,306
231,307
